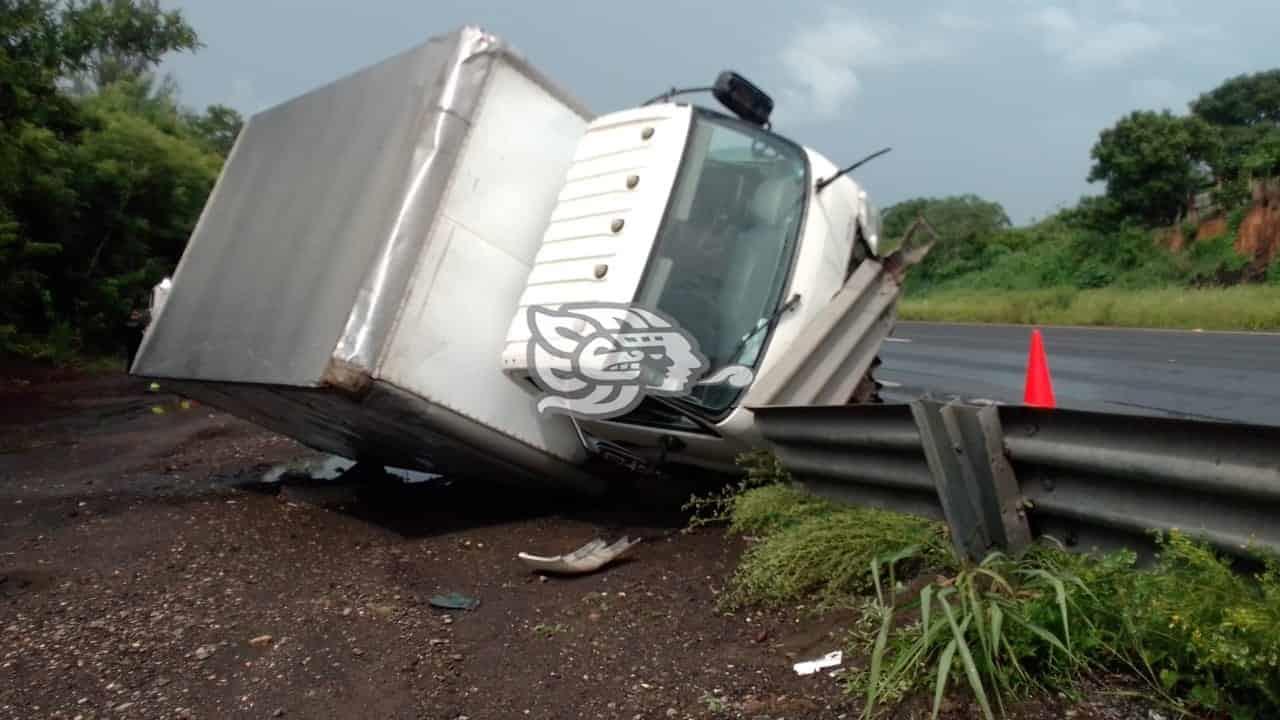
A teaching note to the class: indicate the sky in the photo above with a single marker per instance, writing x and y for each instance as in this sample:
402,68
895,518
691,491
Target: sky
999,98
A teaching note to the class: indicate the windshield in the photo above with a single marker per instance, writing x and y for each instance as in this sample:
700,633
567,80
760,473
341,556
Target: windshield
722,255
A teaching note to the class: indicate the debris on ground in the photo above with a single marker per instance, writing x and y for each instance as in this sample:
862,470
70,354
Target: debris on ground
586,559
455,601
809,667
328,467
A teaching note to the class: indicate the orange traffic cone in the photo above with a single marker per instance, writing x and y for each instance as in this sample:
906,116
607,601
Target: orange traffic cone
1039,387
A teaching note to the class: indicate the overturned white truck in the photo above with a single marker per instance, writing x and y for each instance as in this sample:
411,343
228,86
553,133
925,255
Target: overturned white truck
446,263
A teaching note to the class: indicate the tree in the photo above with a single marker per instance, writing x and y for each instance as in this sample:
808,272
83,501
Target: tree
97,192
1152,163
1245,100
107,41
1246,108
956,218
142,184
965,224
218,127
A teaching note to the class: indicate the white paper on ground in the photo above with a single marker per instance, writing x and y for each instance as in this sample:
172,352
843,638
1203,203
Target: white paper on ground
809,667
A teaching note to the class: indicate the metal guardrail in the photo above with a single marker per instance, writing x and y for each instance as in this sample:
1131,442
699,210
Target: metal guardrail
1000,476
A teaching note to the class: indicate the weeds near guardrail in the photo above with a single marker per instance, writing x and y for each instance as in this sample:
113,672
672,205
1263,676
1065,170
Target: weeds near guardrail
808,547
1201,634
1000,626
1198,628
762,470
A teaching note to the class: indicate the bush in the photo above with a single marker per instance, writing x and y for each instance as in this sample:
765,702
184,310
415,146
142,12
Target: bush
1057,252
808,547
762,470
827,554
1204,636
1211,635
766,510
1215,261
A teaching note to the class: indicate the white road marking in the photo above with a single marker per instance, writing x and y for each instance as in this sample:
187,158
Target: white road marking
901,340
889,384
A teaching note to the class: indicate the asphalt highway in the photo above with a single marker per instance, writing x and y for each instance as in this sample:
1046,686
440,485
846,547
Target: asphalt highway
1203,375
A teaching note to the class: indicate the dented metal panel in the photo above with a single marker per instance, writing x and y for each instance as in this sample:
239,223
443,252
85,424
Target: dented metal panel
306,247
1001,475
830,356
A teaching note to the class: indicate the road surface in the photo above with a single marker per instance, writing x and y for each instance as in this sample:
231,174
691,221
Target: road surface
1202,375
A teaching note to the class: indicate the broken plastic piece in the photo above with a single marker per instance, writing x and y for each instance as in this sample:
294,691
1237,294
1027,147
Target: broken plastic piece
329,467
588,558
455,601
809,667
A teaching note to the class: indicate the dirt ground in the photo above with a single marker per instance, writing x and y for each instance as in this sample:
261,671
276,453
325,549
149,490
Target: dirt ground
147,571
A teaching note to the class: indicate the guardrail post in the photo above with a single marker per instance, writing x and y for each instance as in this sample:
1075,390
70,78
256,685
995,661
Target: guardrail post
977,489
956,493
978,439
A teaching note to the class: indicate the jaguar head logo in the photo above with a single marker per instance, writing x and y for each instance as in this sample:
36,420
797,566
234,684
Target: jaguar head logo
598,361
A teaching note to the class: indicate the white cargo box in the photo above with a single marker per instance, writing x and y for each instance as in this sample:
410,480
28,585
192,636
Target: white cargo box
353,276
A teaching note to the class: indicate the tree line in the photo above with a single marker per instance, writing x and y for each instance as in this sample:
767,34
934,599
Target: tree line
1152,165
103,173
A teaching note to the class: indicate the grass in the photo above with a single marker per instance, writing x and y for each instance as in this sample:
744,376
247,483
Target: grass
827,555
981,624
805,546
1073,270
1241,307
1201,634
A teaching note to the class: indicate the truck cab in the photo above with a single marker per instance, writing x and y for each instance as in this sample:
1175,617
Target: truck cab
721,226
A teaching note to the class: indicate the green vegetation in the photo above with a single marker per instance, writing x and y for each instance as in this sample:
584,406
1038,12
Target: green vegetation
102,173
1191,628
1000,627
1152,165
814,549
1199,634
1243,307
805,546
1151,162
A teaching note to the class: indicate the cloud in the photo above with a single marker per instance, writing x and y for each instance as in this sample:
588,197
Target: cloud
243,95
1084,41
822,61
959,22
1157,93
825,61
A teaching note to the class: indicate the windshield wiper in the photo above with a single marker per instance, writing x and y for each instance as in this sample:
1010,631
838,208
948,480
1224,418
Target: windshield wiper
763,323
688,410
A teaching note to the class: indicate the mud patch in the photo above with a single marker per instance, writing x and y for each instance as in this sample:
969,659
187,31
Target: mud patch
1259,236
